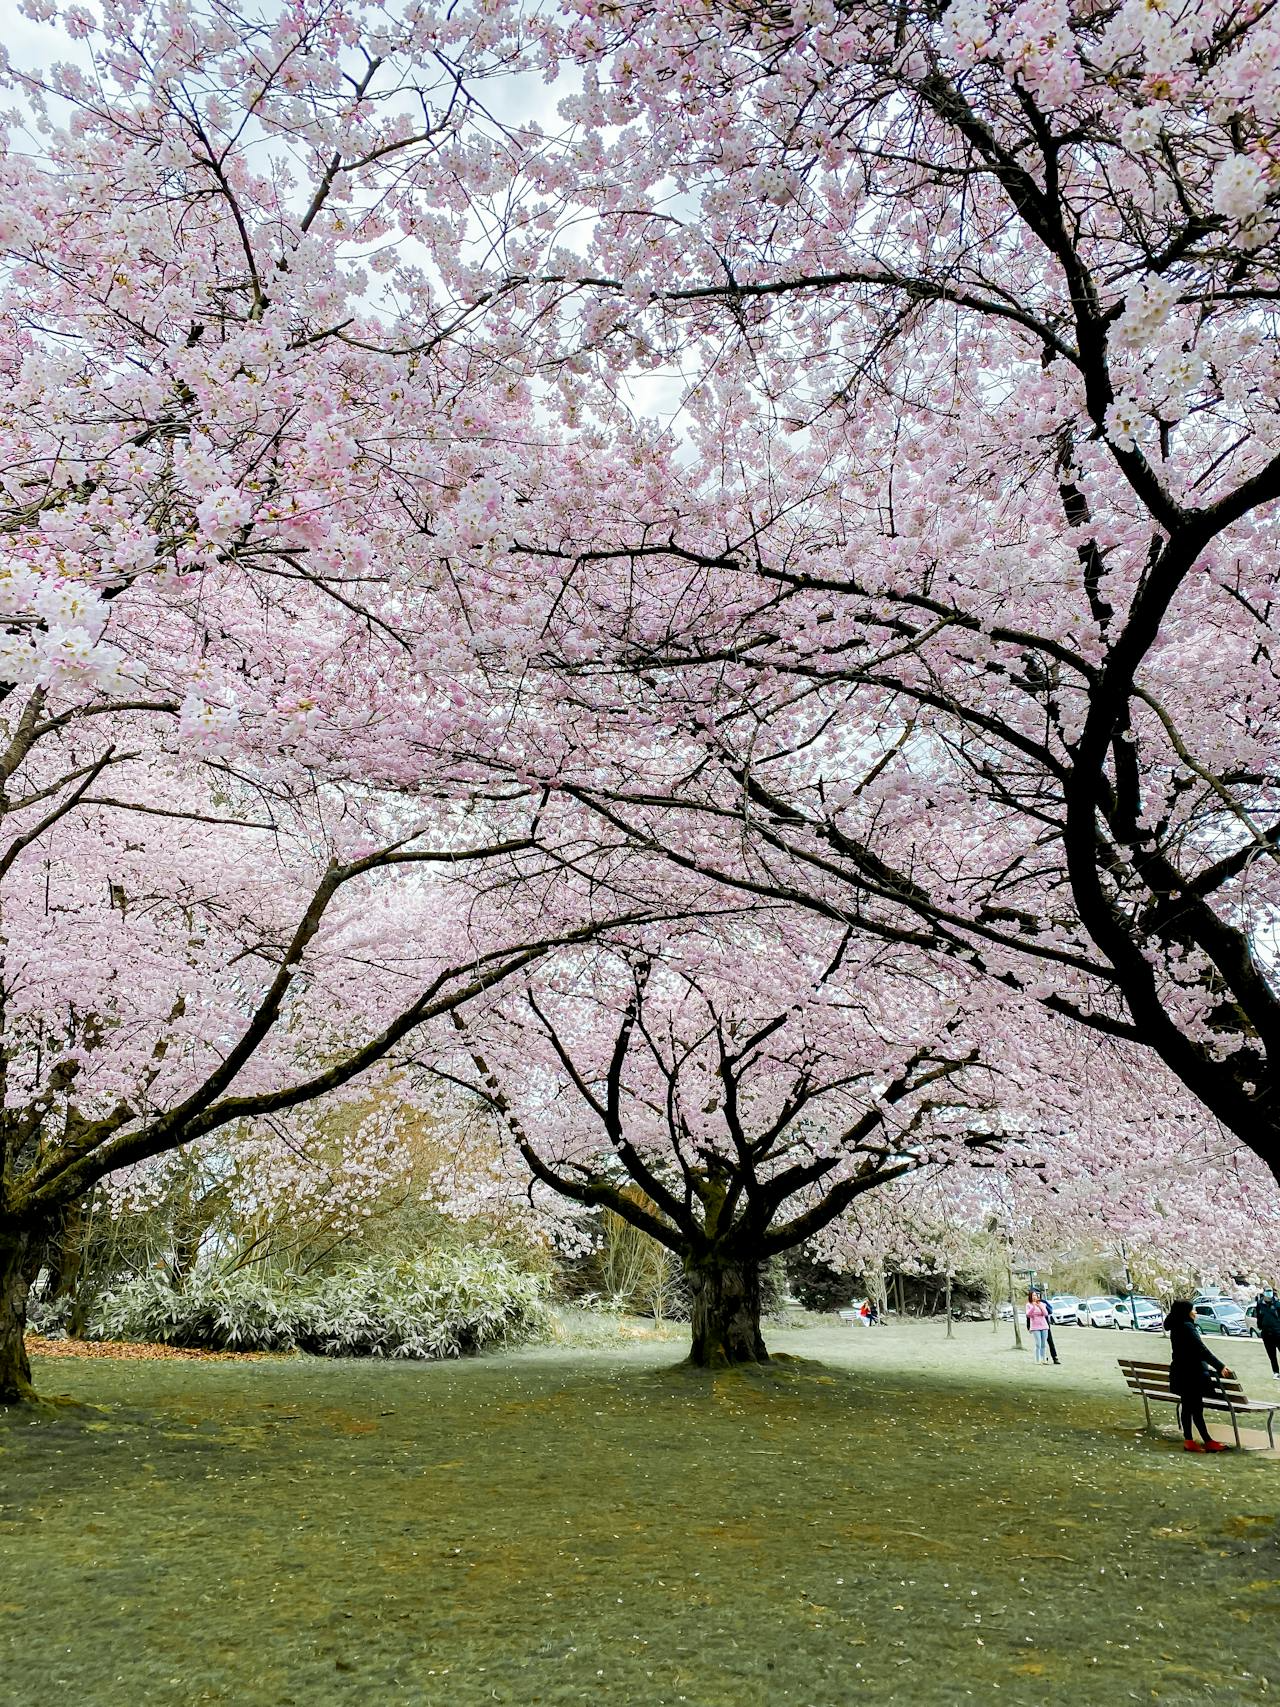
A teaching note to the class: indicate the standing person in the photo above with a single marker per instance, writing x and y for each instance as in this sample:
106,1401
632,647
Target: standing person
1038,1326
1192,1367
1268,1303
1053,1350
1048,1310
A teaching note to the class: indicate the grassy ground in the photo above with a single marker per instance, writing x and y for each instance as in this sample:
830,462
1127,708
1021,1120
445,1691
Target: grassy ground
908,1520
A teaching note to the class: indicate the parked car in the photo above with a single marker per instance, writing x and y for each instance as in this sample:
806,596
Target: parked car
1145,1314
1064,1307
1221,1316
1097,1313
1251,1312
1005,1311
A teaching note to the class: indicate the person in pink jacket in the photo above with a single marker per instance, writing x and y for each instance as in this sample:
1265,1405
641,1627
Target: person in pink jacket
1038,1326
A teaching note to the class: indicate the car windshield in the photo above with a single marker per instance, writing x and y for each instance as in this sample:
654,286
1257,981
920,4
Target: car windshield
1228,1309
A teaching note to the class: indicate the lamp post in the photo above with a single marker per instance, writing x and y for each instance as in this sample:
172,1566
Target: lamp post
1128,1287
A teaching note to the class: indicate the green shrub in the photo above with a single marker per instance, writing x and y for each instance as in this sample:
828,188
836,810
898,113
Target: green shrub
220,1312
48,1315
438,1305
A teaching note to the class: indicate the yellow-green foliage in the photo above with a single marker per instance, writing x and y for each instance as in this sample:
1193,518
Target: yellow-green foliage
637,1273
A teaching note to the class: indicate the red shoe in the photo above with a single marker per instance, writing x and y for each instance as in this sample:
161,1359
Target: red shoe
1193,1446
1215,1446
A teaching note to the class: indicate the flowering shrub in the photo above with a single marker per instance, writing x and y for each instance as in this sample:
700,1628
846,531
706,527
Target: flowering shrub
438,1305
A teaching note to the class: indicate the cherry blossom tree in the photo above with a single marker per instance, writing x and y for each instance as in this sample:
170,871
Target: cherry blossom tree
961,575
242,447
1181,1199
749,1112
918,1228
760,1080
1201,1211
333,555
159,992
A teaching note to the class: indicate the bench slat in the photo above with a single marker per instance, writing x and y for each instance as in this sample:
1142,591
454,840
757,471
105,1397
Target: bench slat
1229,1382
1211,1401
1236,1395
1142,1379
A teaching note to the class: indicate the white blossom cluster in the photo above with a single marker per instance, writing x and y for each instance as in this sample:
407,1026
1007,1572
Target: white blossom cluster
52,633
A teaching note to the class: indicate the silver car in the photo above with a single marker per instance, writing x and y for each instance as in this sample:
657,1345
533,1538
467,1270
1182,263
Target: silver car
1222,1316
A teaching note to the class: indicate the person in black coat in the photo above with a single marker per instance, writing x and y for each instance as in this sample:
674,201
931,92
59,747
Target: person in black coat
1192,1368
1268,1303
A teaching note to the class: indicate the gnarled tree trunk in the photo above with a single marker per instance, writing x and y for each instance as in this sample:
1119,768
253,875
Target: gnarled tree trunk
726,1312
19,1264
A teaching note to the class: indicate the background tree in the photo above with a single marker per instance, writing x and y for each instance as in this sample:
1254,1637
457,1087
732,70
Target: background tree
636,1272
754,1087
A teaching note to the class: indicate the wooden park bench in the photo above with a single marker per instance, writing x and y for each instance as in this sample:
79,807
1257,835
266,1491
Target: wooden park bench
1150,1381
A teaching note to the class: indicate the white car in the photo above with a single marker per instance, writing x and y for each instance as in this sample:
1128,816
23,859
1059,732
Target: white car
1145,1314
1097,1313
1064,1308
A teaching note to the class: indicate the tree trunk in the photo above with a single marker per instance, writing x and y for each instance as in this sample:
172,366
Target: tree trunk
1017,1331
726,1312
950,1328
19,1264
64,1257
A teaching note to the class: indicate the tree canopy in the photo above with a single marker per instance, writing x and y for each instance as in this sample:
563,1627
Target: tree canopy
367,646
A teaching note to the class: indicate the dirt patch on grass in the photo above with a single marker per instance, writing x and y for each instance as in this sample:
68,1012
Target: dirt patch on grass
143,1351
